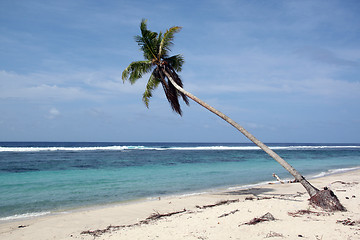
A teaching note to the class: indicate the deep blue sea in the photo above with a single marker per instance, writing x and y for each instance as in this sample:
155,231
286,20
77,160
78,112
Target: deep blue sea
39,178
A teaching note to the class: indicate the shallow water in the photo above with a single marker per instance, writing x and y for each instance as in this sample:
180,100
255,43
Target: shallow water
39,178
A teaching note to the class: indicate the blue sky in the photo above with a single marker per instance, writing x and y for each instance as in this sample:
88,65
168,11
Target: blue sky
288,71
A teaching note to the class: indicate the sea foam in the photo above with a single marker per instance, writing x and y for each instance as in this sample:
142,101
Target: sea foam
334,171
24,216
197,148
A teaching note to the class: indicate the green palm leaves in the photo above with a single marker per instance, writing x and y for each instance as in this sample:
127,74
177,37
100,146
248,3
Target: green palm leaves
167,41
156,48
136,70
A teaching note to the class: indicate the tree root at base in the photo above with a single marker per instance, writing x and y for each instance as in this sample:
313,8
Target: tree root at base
327,200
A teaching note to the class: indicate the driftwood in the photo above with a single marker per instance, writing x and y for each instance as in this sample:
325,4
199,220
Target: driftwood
346,183
348,222
217,204
341,182
156,216
227,214
303,212
277,178
267,217
283,182
258,198
250,198
99,232
152,217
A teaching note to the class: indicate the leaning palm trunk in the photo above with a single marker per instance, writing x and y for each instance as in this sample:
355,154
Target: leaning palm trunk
155,48
316,196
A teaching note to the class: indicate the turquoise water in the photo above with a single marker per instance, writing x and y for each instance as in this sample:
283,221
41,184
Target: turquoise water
40,178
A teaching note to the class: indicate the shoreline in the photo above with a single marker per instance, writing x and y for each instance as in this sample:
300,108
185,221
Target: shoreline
291,195
34,215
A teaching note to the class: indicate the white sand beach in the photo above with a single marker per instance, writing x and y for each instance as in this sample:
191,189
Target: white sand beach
201,217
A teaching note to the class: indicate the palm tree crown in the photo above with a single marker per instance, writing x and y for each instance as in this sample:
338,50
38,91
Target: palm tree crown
156,48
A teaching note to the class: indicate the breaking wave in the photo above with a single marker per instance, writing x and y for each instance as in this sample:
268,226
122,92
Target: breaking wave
193,148
24,216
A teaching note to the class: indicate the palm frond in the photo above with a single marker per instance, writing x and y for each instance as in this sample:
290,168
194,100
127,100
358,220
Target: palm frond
147,41
151,85
167,41
175,62
136,70
178,81
173,99
170,92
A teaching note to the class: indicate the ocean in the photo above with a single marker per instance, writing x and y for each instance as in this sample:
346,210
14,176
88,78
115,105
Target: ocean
38,178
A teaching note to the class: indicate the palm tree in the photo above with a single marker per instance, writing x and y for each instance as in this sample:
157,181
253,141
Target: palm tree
155,48
163,68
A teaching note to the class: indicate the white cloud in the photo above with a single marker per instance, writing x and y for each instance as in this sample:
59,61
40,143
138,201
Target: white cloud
37,86
93,86
321,87
263,71
53,113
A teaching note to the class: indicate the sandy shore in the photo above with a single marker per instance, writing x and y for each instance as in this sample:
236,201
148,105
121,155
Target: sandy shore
200,217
